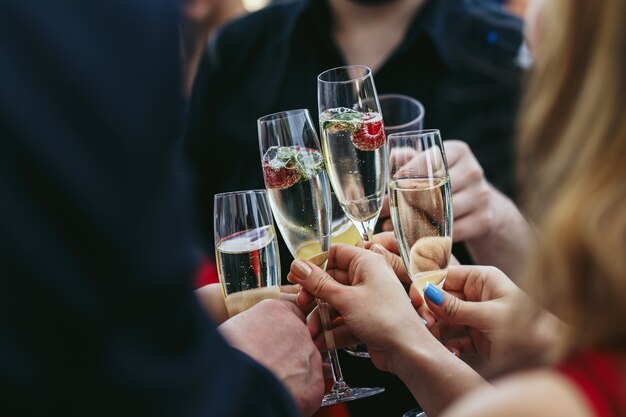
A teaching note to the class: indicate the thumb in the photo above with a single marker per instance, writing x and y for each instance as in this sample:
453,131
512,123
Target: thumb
453,309
315,281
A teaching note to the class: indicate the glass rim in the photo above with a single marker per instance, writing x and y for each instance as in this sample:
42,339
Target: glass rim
413,100
258,191
415,133
284,114
368,73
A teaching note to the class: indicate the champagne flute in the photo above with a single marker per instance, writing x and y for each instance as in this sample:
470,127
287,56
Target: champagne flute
401,113
421,208
246,249
353,139
295,177
421,204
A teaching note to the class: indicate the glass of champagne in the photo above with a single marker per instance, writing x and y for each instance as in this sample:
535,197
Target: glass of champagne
246,249
401,113
295,177
421,204
421,208
353,139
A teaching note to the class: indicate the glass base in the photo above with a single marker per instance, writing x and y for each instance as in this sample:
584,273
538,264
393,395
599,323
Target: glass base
349,394
359,351
416,412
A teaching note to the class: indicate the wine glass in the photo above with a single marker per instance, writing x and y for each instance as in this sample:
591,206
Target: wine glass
295,177
421,208
401,113
246,249
353,139
421,204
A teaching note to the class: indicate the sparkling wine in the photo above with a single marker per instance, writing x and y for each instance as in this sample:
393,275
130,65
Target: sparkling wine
243,300
355,159
421,211
299,194
246,267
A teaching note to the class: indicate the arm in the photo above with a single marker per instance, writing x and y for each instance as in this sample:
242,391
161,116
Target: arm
540,393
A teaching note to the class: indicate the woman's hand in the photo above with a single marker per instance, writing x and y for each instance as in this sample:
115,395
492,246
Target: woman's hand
364,290
473,311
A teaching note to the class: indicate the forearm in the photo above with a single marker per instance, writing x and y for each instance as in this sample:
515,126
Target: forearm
507,244
435,377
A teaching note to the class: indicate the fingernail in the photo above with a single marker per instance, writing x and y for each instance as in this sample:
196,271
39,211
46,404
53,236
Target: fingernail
378,249
425,322
300,269
433,293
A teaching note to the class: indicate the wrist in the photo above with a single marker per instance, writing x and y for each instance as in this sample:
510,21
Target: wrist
415,354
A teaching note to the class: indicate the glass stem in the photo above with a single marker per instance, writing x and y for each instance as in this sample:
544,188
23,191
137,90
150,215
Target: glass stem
339,385
366,228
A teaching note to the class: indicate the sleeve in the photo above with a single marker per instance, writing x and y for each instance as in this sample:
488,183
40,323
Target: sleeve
97,312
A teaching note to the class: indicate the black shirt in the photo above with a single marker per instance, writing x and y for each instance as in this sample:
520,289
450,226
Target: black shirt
97,312
458,58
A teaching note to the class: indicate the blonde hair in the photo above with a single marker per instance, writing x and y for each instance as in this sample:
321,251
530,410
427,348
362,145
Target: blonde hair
572,164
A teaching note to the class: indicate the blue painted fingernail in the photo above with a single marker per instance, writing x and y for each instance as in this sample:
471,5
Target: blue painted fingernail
433,293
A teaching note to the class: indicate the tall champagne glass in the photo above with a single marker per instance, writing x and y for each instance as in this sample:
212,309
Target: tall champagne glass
295,177
421,204
246,249
401,113
353,139
421,208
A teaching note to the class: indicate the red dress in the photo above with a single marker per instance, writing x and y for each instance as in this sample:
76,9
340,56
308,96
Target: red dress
601,377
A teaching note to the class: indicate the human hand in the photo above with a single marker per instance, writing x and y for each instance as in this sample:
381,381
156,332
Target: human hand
365,291
471,194
473,309
273,333
211,297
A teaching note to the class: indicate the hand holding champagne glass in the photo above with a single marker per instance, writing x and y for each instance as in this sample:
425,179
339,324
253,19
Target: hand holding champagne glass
246,249
295,176
421,204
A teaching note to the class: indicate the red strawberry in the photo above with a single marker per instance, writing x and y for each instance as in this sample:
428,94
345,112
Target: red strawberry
281,178
369,136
